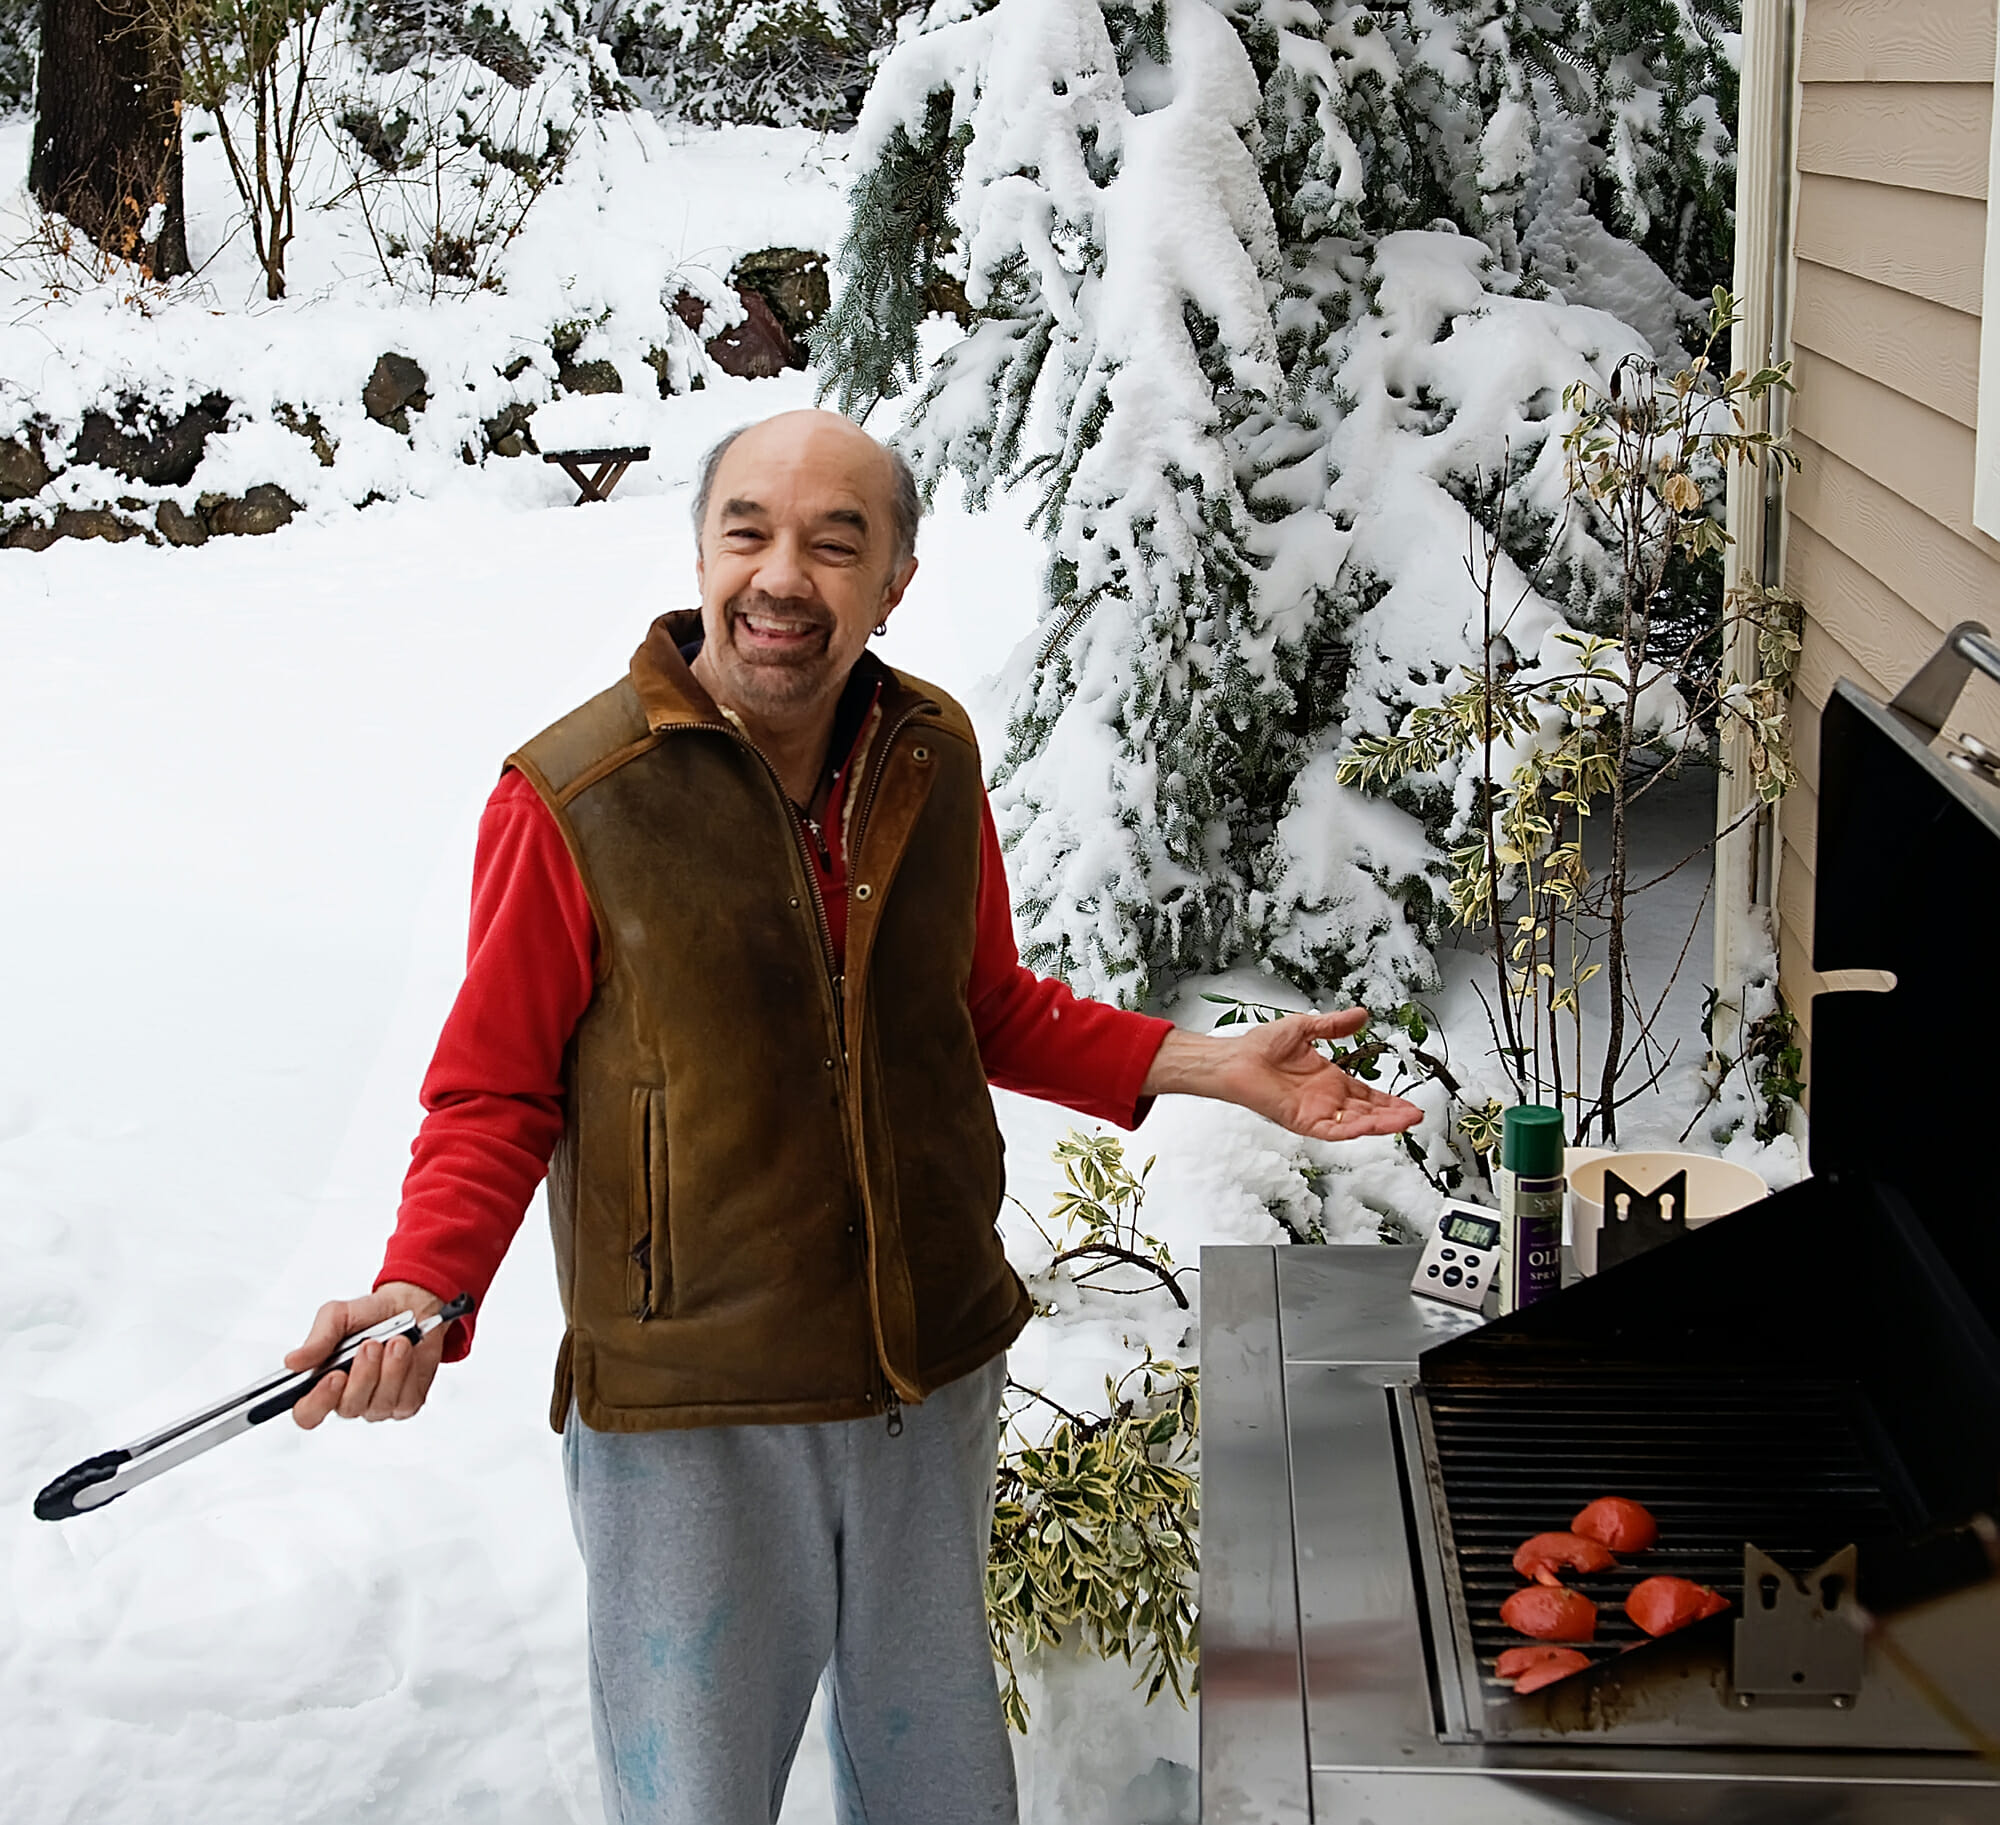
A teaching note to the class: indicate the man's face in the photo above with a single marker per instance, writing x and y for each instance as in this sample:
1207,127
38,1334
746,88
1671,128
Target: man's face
798,562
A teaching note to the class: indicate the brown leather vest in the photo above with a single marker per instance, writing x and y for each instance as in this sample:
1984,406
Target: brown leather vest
775,1192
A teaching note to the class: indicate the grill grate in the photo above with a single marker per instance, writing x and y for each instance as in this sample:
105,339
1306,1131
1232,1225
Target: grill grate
1717,1463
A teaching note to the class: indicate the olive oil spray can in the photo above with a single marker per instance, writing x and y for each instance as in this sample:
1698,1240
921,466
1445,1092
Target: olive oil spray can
1530,1184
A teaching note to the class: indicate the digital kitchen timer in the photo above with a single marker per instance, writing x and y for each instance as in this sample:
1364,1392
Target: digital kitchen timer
1462,1258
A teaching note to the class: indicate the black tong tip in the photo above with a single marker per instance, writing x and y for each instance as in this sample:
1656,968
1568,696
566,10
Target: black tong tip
58,1501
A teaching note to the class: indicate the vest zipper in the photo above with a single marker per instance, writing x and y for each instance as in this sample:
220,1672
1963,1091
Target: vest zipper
833,972
891,1402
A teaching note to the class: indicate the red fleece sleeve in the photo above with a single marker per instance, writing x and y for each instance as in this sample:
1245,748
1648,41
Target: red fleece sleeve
1037,1037
493,1097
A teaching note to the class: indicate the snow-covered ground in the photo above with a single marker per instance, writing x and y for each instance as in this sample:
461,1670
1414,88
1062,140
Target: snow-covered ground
243,783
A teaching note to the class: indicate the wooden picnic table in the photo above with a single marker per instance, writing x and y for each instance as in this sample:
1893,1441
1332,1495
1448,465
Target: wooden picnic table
611,467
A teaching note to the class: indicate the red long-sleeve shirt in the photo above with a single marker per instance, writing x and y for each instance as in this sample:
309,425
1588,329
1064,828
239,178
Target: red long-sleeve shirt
493,1096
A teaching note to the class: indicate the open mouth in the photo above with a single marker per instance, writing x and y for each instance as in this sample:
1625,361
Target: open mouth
776,632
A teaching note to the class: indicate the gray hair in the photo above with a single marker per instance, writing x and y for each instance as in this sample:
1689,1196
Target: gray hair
906,501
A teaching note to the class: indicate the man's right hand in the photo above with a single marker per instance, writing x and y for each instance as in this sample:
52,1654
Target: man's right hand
388,1380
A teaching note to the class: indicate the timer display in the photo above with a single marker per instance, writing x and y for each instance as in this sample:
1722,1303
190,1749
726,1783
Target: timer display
1471,1230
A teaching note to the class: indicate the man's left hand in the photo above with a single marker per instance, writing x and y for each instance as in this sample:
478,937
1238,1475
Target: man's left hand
1275,1070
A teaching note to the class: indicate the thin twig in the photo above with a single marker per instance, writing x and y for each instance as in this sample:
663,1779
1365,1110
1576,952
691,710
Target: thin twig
1112,1253
1727,831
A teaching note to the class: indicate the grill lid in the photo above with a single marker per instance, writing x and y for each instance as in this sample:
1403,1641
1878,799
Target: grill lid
1907,880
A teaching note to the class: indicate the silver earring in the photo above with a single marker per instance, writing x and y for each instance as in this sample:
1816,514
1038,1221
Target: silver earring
881,627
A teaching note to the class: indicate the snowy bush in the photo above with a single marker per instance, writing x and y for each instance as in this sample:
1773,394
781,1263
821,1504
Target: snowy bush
449,124
1258,294
1096,1514
775,63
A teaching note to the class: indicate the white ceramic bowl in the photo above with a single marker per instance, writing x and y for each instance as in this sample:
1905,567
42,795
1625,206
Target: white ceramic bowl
1714,1188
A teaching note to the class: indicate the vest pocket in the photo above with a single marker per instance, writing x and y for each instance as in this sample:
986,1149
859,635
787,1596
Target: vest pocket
648,1254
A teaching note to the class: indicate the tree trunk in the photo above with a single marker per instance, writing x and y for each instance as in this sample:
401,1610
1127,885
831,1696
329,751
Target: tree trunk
107,147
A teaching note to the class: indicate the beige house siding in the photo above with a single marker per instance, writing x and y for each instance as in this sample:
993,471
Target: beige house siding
1893,145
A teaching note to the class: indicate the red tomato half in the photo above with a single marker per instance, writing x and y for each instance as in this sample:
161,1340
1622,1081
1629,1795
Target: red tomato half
1560,1664
1546,1555
1550,1612
1615,1522
1662,1605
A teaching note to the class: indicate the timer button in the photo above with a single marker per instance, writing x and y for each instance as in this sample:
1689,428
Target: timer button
1471,1279
1471,1260
1452,1276
1449,1254
1432,1270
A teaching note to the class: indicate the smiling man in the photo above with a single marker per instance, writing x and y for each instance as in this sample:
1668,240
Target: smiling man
741,970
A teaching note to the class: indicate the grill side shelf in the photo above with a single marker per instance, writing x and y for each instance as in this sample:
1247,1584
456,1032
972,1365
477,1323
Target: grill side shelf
1455,1662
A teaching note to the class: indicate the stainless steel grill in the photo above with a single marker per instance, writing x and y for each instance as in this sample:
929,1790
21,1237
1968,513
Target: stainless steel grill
1817,1371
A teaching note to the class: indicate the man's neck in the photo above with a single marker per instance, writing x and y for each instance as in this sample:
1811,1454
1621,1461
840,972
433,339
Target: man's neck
794,742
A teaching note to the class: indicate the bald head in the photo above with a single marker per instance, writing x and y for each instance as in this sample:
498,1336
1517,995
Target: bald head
844,442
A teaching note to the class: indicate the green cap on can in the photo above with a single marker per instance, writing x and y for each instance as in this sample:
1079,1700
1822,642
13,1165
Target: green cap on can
1531,1141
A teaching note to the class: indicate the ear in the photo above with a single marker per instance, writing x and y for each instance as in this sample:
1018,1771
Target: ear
893,593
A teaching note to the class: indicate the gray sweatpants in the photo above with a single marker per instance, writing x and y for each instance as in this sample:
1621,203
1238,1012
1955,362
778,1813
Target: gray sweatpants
730,1568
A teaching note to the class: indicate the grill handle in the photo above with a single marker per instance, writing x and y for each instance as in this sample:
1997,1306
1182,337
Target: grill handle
1926,702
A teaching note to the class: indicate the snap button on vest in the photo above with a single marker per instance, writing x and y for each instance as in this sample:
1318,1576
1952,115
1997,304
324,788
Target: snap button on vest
864,891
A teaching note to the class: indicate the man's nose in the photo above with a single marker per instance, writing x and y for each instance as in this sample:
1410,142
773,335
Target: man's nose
783,574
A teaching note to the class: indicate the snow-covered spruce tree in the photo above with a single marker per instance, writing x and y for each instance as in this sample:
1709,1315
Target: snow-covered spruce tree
1257,293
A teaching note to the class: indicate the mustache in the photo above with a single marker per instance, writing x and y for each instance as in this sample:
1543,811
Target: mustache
755,602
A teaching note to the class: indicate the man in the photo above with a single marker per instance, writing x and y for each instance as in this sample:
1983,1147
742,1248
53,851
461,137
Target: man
741,969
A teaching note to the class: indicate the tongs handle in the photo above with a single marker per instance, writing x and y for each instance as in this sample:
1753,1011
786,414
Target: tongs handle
293,1388
82,1486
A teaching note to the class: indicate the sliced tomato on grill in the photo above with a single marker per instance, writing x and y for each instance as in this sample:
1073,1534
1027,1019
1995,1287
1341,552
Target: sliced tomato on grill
1662,1605
1617,1522
1547,1555
1551,1612
1539,1666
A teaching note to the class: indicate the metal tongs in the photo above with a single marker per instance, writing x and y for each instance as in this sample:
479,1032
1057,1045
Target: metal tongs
104,1478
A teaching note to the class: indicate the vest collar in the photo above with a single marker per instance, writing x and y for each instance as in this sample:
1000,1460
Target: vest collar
669,692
